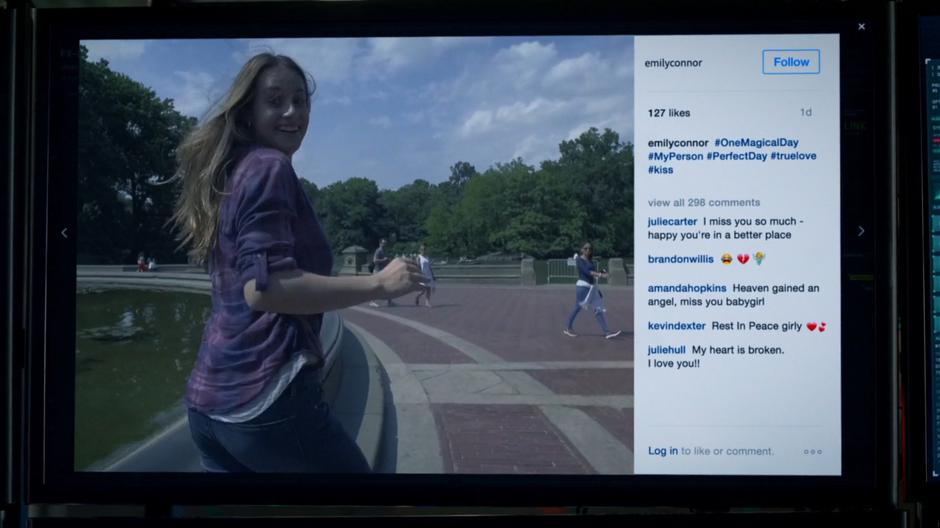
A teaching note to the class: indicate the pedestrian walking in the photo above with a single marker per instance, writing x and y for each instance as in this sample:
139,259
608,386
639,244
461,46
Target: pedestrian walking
588,294
379,261
430,283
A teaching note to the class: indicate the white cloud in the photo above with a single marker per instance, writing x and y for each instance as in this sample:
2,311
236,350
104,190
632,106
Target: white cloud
536,148
624,70
112,50
587,65
621,122
381,122
196,94
449,43
390,55
441,92
605,106
511,116
386,55
325,59
537,109
521,63
480,121
589,73
344,59
526,53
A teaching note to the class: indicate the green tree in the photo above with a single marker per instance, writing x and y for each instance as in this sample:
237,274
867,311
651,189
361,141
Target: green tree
351,213
407,210
312,192
539,218
449,192
587,194
461,173
127,144
596,172
470,226
441,230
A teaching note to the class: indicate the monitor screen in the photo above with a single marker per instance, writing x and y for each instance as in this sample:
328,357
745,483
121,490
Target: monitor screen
569,250
930,62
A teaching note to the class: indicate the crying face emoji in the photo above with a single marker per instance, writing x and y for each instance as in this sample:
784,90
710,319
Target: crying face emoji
726,258
759,257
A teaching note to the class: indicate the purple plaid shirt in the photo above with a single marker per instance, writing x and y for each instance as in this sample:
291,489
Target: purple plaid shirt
266,224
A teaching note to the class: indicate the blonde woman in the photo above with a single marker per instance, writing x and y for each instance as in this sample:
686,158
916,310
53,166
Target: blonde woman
254,396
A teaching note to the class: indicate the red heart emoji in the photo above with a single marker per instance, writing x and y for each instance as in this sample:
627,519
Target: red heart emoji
822,324
743,258
811,326
822,328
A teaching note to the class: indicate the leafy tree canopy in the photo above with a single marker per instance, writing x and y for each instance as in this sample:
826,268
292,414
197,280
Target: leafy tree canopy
126,146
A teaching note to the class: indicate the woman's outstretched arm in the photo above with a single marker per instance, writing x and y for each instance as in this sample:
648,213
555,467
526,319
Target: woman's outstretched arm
300,292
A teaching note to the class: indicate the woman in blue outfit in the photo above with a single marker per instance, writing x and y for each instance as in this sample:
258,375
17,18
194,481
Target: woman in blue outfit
254,396
587,277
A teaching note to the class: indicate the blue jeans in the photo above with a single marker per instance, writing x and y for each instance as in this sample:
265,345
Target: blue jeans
297,433
580,295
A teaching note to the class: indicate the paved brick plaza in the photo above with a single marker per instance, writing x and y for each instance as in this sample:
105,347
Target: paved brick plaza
485,381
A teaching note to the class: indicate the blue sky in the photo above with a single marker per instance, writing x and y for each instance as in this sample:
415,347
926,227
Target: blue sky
397,109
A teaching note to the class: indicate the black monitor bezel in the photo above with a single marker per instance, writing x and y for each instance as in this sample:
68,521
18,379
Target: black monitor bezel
52,388
6,359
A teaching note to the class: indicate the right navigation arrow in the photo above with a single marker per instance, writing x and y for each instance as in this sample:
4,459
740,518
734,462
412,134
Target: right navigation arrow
861,230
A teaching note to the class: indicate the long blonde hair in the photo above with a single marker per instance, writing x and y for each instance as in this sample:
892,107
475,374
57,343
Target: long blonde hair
207,152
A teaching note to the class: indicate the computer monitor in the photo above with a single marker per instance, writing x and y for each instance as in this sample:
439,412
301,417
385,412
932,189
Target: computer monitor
919,49
653,242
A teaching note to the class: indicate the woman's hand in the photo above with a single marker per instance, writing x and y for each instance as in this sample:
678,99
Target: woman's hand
401,276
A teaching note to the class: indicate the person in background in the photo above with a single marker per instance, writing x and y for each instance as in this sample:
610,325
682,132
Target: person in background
254,396
141,263
379,261
587,294
430,283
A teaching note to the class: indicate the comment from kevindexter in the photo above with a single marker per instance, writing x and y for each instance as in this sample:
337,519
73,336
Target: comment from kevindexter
737,263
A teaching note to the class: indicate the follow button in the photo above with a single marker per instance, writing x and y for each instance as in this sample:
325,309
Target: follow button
791,61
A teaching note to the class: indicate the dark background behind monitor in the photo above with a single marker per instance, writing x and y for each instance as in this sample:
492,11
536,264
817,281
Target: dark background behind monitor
912,268
15,124
6,225
856,519
12,186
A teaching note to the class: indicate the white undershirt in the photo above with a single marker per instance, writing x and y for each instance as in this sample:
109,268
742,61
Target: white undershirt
268,395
